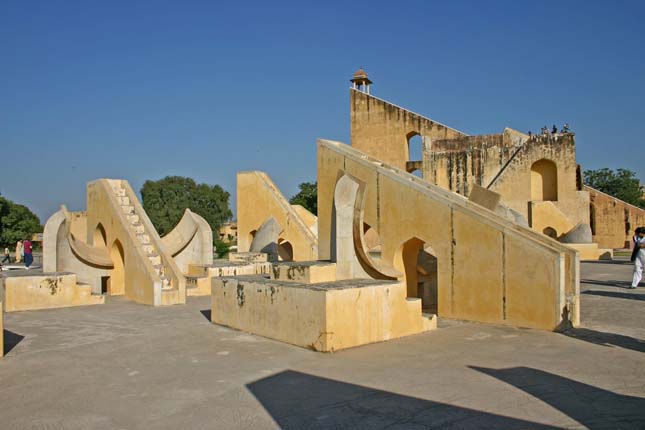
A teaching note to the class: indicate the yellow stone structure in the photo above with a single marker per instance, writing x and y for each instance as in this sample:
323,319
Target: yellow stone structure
439,254
489,269
46,291
114,248
537,176
258,200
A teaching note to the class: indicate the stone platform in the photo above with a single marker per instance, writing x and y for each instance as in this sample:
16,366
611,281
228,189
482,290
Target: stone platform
321,316
29,291
198,278
307,272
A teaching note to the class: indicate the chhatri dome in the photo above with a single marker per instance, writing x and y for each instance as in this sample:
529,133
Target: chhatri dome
360,81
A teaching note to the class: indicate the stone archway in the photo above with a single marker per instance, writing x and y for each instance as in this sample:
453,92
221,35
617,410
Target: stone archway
544,181
116,283
100,237
420,266
285,250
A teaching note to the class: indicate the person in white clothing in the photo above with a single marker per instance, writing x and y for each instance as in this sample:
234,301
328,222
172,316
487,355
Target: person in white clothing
638,256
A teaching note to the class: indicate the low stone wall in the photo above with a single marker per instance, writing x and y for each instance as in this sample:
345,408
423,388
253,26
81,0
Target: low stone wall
612,220
45,291
324,317
198,279
306,272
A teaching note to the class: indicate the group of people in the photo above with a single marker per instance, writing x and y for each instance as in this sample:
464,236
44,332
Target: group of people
24,251
638,255
545,130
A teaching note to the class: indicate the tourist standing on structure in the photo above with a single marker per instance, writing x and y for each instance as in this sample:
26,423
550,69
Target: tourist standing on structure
638,256
18,251
29,258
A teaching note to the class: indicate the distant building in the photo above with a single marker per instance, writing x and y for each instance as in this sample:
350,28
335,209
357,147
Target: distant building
228,232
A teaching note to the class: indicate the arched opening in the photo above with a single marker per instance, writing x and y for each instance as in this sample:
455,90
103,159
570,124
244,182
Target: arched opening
100,238
116,283
421,273
415,154
285,250
544,181
372,241
551,232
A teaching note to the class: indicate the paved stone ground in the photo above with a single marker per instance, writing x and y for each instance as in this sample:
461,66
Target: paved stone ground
128,366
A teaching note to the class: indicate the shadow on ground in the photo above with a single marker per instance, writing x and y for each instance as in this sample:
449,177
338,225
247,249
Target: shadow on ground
612,283
615,294
592,407
301,401
11,339
621,262
207,314
606,339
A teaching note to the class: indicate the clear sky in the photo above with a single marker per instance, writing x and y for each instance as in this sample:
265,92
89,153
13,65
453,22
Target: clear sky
145,89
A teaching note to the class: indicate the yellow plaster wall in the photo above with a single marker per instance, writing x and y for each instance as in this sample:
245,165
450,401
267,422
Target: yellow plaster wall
292,315
317,318
55,290
514,182
545,214
358,316
613,221
467,239
381,129
589,251
320,271
259,199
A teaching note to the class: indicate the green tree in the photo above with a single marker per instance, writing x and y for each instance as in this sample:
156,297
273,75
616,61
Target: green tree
166,199
221,248
307,197
622,184
17,222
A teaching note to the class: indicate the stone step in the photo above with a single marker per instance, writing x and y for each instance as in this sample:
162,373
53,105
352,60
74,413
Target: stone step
138,227
154,258
123,200
143,238
119,192
148,249
127,209
165,283
133,218
159,269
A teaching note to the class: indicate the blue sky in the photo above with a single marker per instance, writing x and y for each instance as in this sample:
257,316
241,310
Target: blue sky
142,90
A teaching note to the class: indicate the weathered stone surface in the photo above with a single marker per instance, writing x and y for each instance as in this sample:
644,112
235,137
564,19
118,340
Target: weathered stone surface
29,291
266,239
324,317
581,233
488,268
258,199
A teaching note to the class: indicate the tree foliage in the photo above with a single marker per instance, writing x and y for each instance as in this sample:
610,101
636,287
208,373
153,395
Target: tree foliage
17,222
307,197
166,199
221,248
622,184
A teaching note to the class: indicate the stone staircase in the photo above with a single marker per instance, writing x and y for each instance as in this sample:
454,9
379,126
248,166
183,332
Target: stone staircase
134,221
